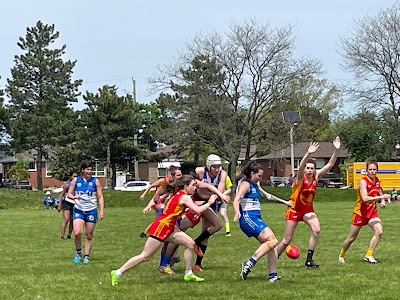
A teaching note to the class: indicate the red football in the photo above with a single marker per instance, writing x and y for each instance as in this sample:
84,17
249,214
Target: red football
292,251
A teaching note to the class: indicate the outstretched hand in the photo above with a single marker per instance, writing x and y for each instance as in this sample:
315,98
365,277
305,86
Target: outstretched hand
336,142
313,147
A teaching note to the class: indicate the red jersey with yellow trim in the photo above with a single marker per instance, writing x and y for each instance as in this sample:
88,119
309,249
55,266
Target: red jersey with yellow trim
367,209
161,185
302,196
165,223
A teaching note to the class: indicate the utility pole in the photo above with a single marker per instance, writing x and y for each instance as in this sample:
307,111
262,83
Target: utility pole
292,117
135,136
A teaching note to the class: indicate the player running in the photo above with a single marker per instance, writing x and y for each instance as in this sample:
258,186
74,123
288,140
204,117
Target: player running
248,211
364,213
164,229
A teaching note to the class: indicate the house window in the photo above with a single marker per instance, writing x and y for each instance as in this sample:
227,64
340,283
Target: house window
162,172
99,169
296,163
320,163
268,164
32,166
48,169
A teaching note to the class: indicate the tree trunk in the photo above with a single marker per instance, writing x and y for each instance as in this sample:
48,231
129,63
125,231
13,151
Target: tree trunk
232,171
39,169
108,166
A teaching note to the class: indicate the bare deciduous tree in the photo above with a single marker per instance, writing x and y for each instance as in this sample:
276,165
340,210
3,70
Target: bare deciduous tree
372,54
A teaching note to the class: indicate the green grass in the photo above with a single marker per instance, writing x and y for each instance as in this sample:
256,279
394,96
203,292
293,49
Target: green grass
35,264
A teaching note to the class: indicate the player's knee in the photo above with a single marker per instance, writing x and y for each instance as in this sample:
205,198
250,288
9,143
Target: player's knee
273,242
316,231
89,236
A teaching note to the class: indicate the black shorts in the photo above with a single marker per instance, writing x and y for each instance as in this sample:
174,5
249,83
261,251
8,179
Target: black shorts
216,206
65,205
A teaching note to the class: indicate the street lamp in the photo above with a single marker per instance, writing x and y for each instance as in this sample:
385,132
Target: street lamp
293,118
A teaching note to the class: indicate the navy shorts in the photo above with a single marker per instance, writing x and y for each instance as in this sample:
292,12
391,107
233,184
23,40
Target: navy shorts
87,216
251,224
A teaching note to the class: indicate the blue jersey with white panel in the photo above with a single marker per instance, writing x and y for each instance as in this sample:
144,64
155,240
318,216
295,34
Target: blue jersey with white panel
86,189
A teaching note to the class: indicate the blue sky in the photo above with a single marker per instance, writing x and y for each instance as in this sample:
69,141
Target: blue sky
115,41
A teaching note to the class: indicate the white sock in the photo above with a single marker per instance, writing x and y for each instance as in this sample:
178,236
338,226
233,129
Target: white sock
118,273
188,272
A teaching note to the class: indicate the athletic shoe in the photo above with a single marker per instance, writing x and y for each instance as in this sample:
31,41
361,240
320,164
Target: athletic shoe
274,278
114,278
77,259
197,268
143,235
198,251
370,259
68,237
192,277
85,260
341,260
245,271
311,264
228,234
165,270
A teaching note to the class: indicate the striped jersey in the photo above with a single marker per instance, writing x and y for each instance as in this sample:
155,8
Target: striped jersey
86,189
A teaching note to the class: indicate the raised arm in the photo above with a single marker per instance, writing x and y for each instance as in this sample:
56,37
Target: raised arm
332,160
300,173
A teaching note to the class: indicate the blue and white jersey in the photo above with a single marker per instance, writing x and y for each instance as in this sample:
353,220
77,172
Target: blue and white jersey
68,184
250,201
208,179
87,194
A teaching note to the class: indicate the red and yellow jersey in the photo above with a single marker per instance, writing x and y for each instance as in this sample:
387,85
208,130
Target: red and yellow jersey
302,196
367,209
164,225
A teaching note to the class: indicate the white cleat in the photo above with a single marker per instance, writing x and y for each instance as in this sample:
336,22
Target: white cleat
370,259
341,260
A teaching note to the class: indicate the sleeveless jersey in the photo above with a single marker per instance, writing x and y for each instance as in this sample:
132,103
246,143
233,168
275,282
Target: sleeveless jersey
72,201
302,195
367,209
250,201
208,179
87,194
172,209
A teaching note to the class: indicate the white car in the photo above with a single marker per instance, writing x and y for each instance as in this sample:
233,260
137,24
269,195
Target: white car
134,186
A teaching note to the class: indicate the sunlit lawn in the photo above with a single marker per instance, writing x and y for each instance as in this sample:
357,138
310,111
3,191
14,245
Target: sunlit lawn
35,264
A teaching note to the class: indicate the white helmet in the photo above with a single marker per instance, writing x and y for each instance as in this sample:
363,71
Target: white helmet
213,159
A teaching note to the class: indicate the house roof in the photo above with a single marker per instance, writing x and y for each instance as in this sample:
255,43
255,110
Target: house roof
325,150
29,155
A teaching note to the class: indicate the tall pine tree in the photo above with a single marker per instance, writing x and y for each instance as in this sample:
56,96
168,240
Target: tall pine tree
40,91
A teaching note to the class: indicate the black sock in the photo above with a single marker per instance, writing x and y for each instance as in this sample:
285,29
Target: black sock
204,235
200,259
310,254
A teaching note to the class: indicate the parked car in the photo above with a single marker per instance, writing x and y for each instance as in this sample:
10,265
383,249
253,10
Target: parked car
330,180
134,186
23,185
8,183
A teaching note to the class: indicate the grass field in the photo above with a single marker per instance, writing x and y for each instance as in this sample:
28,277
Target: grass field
35,264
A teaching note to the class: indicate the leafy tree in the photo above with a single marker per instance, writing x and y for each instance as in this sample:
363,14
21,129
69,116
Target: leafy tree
40,91
364,136
371,53
110,123
234,81
66,161
19,170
